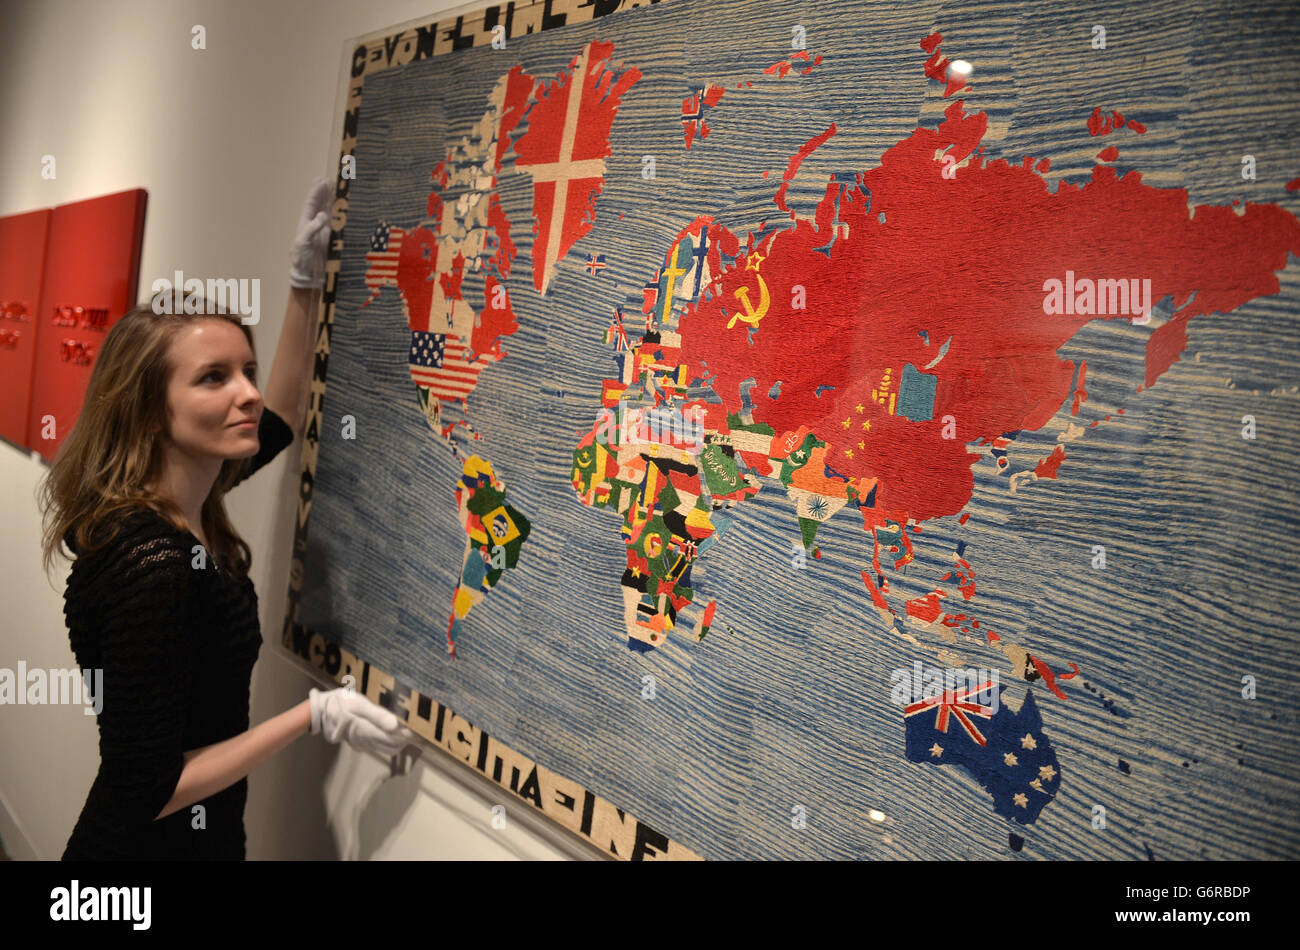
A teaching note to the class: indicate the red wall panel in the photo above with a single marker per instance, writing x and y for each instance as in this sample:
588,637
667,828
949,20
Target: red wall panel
22,267
92,270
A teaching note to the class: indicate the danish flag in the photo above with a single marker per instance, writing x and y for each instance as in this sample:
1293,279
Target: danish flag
564,150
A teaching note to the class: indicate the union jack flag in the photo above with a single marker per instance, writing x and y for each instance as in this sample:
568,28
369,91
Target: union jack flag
616,334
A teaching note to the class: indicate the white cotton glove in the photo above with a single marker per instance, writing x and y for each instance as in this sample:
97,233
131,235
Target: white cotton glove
346,714
307,259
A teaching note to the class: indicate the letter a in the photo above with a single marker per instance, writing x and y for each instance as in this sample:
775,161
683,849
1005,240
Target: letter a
1052,303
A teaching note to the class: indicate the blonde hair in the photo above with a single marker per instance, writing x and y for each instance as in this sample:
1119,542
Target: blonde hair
113,453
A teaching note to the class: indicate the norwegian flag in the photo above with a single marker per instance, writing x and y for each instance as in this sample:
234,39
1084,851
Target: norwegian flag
595,263
650,292
693,110
440,362
381,259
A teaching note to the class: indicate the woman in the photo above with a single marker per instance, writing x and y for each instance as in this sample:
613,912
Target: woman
159,596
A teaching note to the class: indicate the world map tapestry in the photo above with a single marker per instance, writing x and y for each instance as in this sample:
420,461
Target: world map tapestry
823,430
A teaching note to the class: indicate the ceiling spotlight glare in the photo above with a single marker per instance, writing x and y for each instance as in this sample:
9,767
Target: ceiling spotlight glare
875,815
960,67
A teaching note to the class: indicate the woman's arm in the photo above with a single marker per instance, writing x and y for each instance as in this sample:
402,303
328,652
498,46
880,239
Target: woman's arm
218,766
286,391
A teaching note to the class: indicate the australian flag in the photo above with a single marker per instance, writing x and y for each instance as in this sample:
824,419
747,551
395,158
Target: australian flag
1005,751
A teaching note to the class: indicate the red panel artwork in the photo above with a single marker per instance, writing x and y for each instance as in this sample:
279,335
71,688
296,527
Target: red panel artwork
91,275
22,265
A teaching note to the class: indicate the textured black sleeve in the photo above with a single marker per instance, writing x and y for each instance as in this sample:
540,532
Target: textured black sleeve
148,655
274,435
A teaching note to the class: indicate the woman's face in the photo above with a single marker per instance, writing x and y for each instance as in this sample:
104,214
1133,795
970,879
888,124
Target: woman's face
212,394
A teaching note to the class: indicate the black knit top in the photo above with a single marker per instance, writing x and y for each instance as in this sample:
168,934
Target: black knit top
177,646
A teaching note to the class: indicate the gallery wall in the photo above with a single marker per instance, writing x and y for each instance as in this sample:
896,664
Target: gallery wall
225,140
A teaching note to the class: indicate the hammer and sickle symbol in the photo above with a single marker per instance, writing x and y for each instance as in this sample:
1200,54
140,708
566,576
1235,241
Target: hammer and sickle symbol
752,316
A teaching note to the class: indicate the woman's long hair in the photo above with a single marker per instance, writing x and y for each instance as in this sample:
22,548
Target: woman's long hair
112,454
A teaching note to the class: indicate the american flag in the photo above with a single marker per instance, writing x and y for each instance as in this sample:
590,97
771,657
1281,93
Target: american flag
381,259
440,362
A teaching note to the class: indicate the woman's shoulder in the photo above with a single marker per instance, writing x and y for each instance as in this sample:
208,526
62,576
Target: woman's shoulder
138,537
139,580
125,525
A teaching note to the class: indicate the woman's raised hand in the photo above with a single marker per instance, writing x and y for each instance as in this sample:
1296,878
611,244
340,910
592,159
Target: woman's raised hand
307,259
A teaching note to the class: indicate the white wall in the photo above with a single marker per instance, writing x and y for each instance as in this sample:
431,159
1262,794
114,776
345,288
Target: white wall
226,141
